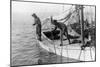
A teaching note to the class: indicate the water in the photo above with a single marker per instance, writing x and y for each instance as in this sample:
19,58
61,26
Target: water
25,49
24,43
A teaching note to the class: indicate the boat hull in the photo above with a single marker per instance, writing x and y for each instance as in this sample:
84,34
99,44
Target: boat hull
70,51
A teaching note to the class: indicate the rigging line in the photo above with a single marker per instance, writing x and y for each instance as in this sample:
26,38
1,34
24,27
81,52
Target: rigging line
53,41
55,51
67,51
91,14
61,37
49,56
68,9
84,54
38,49
80,54
67,16
91,53
54,46
37,46
61,54
70,15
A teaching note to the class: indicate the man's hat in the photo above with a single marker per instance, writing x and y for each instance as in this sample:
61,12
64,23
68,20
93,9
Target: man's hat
54,20
33,14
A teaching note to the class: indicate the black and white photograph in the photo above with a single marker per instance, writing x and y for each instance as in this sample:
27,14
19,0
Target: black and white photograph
44,33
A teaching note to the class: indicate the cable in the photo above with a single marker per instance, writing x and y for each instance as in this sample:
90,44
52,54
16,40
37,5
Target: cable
53,40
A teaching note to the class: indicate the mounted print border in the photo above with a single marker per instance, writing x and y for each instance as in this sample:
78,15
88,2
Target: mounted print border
43,33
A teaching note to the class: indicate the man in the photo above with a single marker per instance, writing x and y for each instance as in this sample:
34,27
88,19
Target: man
37,22
63,29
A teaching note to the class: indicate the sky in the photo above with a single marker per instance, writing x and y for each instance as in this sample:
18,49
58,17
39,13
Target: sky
22,10
29,8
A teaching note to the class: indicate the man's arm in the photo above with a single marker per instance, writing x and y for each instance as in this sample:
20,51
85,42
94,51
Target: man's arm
54,28
34,24
35,21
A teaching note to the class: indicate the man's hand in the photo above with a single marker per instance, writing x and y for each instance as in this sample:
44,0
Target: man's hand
33,24
54,29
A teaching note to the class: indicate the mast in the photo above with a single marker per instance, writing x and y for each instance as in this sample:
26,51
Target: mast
78,12
82,24
82,30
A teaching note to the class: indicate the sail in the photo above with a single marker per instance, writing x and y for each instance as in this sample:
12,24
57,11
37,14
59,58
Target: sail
68,17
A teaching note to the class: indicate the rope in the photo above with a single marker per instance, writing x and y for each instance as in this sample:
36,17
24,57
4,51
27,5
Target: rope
39,53
68,9
67,51
61,44
53,40
54,46
91,53
69,16
84,54
39,60
61,53
80,54
91,22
